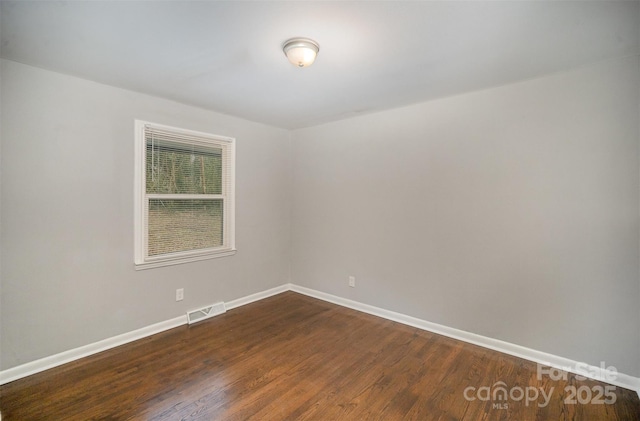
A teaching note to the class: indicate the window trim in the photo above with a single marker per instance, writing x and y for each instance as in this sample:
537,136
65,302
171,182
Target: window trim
141,260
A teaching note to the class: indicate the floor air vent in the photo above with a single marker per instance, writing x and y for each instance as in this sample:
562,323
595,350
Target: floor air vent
206,312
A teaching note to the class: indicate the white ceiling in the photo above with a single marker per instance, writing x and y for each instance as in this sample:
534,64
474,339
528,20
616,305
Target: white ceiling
227,57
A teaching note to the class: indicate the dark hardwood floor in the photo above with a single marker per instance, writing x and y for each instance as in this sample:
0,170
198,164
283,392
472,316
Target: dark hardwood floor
291,357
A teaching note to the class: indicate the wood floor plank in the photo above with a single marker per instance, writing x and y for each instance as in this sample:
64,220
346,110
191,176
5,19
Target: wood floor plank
292,357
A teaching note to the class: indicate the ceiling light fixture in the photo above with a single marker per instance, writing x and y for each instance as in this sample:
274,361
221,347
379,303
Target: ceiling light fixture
301,52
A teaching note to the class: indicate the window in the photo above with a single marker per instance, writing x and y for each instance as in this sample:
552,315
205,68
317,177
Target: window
184,190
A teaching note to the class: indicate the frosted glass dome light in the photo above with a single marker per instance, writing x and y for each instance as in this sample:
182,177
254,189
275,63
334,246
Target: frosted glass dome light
301,52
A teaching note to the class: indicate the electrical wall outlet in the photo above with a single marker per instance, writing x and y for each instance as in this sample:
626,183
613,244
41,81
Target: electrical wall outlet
352,281
179,294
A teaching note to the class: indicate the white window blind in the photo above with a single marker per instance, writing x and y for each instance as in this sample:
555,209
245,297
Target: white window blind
185,195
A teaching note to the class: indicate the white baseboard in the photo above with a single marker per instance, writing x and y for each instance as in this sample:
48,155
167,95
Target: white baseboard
46,363
597,373
257,296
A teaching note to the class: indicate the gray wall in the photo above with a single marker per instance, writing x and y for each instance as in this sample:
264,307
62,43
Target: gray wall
68,277
510,212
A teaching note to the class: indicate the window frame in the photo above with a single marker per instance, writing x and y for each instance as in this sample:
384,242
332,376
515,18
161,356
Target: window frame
141,258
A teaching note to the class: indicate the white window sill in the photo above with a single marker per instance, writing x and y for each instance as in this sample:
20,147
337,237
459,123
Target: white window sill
180,260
